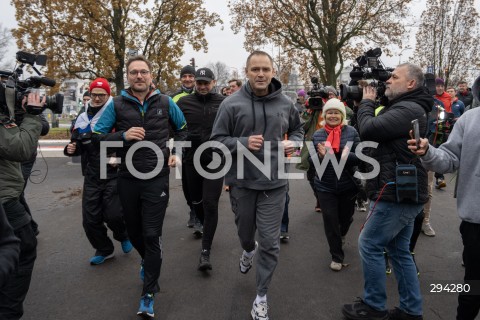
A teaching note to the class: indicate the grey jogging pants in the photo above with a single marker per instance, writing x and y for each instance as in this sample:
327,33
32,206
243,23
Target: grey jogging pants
260,211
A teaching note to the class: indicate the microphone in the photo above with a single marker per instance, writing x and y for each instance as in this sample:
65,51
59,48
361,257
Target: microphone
45,81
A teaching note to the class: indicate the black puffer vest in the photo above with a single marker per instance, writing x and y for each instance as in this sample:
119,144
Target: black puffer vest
153,117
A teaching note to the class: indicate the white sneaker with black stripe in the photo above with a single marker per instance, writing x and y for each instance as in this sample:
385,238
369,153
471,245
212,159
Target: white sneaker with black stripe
246,262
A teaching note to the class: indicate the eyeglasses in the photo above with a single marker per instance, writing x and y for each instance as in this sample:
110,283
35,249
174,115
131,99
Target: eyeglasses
133,73
98,95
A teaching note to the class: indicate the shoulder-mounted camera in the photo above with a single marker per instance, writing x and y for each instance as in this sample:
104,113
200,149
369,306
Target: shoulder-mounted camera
13,89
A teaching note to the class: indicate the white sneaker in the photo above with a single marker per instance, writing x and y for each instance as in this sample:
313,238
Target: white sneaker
246,262
336,266
428,230
259,311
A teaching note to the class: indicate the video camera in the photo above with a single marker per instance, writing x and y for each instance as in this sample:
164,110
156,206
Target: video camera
13,90
370,70
315,101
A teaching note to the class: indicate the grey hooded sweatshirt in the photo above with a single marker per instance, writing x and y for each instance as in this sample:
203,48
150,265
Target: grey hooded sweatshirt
243,114
460,152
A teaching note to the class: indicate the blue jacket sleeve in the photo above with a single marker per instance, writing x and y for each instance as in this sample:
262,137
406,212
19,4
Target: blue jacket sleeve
107,120
104,126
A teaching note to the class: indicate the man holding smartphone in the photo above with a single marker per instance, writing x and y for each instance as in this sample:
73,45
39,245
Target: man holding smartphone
460,152
390,222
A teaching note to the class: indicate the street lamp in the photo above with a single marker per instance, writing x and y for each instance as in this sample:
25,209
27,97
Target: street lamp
400,55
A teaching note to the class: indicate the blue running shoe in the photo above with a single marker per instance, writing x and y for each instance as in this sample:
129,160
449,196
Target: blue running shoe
146,306
142,271
126,246
96,260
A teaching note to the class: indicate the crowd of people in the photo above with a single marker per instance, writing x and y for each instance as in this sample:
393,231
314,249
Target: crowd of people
122,139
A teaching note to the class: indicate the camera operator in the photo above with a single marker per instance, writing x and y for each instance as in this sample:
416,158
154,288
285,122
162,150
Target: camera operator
17,144
390,222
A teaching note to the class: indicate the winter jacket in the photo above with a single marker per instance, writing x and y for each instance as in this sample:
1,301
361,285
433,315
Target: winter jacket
199,111
243,114
460,153
154,115
17,144
446,100
466,98
458,108
182,92
390,129
329,182
89,152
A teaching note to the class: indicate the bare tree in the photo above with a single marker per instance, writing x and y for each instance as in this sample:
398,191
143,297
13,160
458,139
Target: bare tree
221,72
447,39
320,34
5,39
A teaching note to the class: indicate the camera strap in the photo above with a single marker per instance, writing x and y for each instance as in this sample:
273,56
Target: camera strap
10,98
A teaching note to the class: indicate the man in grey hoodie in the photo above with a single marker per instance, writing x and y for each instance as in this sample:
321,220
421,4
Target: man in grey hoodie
460,152
252,124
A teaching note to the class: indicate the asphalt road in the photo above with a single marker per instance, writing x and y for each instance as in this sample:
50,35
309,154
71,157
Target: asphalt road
65,286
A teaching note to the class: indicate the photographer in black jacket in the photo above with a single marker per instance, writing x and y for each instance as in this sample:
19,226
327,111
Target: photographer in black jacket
17,144
390,221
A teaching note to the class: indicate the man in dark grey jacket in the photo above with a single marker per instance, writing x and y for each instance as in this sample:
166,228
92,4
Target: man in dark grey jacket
252,124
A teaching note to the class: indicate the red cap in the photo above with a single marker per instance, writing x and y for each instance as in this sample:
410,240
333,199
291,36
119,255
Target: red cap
101,83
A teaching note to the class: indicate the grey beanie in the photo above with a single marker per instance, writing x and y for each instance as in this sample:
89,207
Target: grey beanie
331,89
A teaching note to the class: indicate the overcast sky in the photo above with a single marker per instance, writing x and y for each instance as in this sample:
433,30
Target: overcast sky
224,46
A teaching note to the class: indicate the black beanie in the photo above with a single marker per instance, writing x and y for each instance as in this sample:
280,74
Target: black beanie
86,94
187,70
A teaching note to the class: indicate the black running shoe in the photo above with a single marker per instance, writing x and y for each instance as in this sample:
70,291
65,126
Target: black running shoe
204,263
362,311
398,314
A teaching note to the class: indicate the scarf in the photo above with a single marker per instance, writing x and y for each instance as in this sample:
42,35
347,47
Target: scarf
334,137
83,121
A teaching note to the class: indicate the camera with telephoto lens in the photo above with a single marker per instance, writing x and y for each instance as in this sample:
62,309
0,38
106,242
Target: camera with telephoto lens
315,101
13,90
369,69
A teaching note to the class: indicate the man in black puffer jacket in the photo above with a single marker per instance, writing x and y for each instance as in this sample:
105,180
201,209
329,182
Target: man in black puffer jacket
390,223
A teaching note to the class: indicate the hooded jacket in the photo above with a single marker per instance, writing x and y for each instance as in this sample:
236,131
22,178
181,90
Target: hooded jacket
460,153
390,129
244,114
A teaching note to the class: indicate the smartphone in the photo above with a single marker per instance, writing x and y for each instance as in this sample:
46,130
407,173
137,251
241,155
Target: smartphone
416,132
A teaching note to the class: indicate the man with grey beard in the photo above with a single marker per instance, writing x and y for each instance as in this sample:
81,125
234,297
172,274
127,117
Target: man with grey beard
392,213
